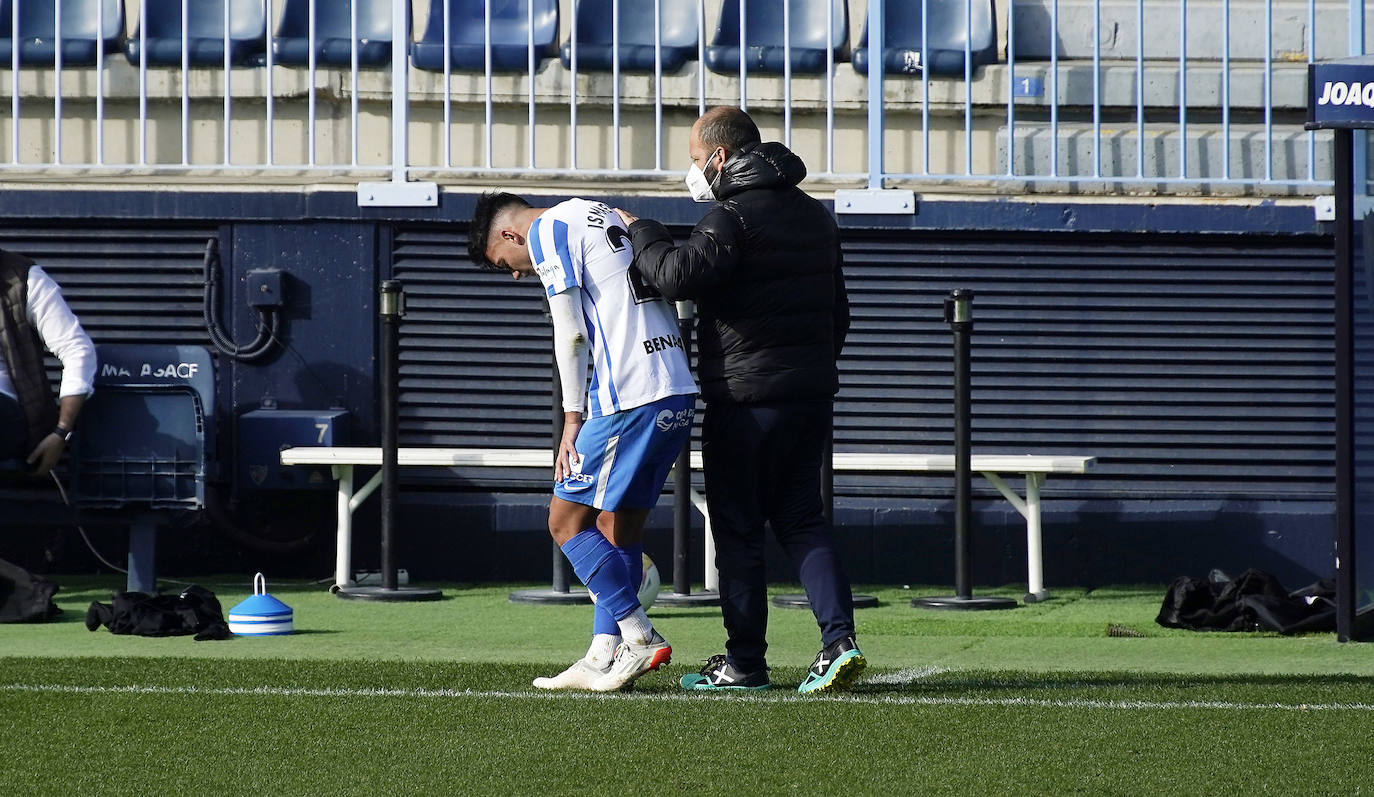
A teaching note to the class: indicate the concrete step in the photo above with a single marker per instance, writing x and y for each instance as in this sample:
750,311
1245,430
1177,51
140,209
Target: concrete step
1073,152
1293,29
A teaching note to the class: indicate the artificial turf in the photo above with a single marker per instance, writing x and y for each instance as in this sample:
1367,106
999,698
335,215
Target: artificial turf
435,699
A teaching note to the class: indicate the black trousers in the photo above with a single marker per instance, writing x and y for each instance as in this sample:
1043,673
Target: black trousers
763,465
13,429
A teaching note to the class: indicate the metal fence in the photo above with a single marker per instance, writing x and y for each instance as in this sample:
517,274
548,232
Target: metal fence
1155,96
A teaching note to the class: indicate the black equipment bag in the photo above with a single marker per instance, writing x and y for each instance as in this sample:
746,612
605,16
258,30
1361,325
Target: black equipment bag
195,611
24,597
1254,601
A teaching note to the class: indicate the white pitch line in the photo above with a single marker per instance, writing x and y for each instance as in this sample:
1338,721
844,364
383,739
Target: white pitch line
776,696
905,677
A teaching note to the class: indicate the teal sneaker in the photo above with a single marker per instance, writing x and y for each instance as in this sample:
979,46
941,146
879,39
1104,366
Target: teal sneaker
836,667
719,675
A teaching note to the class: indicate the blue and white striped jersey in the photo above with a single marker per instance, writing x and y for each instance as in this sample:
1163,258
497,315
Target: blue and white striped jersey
637,353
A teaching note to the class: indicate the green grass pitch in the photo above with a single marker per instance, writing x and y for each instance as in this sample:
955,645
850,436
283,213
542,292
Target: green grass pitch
435,698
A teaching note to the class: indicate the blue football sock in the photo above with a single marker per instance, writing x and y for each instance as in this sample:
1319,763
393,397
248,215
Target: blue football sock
599,565
603,622
634,562
633,556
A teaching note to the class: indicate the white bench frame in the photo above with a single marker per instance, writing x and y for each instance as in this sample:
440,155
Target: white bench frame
343,459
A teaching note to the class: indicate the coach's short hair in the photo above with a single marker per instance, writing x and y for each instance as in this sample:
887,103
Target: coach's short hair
489,208
727,126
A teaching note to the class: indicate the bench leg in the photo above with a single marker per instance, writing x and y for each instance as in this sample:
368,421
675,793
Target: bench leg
1029,507
343,554
142,557
1035,571
711,577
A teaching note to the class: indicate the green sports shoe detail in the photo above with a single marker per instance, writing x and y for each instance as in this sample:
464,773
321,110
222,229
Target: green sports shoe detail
719,675
836,668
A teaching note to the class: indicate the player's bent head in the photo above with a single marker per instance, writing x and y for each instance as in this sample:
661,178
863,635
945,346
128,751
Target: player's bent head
491,207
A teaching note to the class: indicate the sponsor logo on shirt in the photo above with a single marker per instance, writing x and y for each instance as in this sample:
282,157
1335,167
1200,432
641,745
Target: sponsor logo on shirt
661,342
546,270
667,420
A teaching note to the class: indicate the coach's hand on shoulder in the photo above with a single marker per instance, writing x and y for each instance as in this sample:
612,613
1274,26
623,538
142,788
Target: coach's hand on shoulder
627,217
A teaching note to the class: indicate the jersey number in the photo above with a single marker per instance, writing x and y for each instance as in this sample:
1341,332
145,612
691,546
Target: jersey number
643,292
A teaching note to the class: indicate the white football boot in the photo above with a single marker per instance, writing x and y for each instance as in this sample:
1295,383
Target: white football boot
632,661
581,675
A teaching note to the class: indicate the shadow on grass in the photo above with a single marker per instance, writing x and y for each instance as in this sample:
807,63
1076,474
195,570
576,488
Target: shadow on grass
1116,686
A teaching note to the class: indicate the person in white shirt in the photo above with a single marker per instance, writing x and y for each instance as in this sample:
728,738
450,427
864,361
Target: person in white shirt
34,427
609,468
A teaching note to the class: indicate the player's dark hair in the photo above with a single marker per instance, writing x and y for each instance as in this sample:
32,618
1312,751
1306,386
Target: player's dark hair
729,127
490,206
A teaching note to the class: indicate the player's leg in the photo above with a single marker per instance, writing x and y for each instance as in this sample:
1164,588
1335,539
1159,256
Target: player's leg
565,520
647,443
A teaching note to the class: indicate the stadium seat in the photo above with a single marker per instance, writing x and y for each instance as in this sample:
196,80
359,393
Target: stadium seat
946,36
334,32
763,51
205,37
677,35
146,444
510,35
81,31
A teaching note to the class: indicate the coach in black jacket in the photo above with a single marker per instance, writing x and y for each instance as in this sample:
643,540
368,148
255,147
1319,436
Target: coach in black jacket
765,270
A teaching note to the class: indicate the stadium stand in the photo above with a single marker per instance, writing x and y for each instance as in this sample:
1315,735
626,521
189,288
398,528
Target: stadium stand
510,35
763,47
81,27
205,33
677,24
334,32
953,26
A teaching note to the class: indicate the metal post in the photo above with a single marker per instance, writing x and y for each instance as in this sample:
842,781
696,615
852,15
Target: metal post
682,521
959,316
682,502
390,309
876,43
1344,383
561,583
142,576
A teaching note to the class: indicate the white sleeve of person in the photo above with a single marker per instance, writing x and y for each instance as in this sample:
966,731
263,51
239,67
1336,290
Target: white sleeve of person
62,334
571,349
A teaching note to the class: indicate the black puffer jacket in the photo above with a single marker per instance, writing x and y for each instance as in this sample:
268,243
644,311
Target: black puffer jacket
765,270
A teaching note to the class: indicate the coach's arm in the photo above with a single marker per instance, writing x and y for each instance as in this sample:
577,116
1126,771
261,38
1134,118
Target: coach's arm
708,258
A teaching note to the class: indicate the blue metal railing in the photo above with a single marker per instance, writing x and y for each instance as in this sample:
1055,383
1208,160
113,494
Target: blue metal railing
1047,111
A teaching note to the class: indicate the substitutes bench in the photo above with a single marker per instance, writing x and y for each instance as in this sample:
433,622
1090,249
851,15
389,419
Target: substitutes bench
343,459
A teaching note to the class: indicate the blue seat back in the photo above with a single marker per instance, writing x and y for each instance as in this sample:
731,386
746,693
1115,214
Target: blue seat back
147,433
763,20
677,25
82,29
204,32
334,32
949,31
510,34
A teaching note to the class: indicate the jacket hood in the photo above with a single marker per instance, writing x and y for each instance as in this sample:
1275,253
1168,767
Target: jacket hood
765,165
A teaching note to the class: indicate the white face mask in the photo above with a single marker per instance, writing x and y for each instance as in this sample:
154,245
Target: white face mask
697,184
